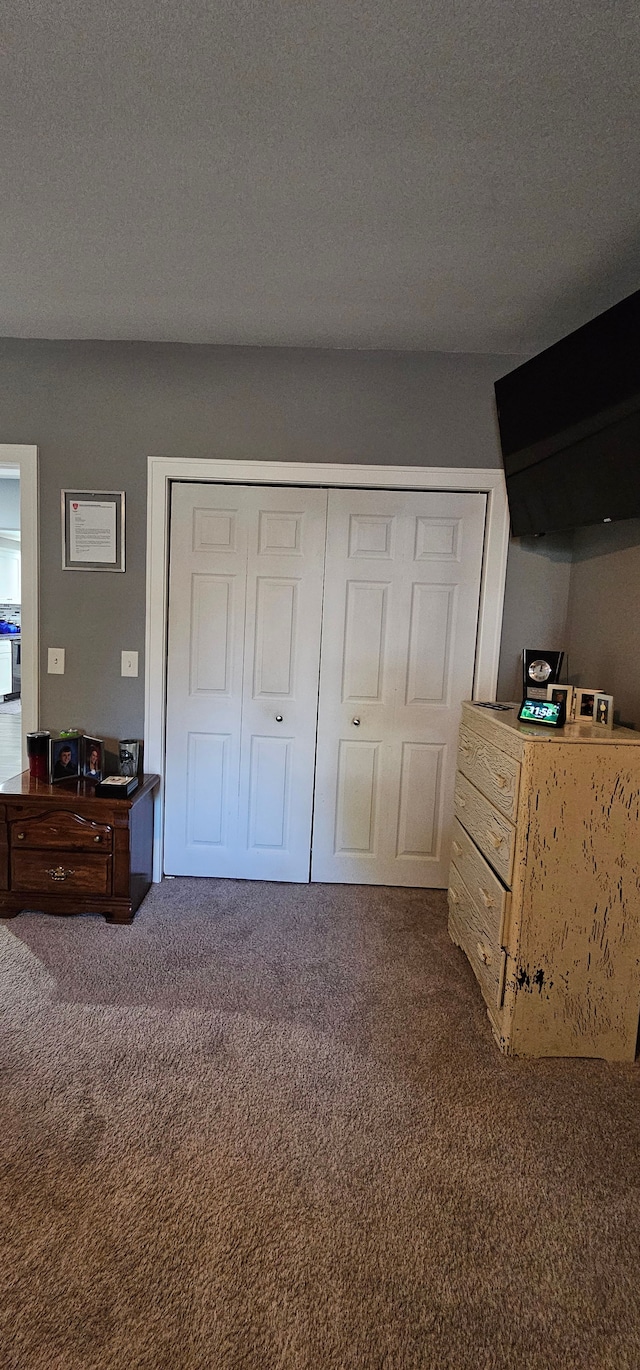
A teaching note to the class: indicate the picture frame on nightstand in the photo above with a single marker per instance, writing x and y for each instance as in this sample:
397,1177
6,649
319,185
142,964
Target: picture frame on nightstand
65,758
92,759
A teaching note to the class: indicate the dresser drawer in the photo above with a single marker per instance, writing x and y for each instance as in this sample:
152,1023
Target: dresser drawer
493,834
494,773
468,929
61,830
41,871
488,893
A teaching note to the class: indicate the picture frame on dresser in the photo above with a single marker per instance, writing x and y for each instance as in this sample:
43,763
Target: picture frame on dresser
556,693
603,712
585,703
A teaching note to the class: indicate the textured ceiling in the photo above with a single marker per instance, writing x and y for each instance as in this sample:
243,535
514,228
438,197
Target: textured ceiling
381,173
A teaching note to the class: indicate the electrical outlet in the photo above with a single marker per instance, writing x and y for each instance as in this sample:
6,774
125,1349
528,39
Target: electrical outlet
55,664
129,663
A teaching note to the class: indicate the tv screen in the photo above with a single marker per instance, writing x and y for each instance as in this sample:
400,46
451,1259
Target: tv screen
569,424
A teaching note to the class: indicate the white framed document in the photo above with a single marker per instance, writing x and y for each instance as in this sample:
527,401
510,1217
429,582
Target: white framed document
92,530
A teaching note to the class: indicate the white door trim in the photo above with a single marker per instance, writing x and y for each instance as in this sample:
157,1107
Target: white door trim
163,470
25,458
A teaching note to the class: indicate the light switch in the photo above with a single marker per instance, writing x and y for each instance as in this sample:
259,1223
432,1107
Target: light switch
129,663
56,661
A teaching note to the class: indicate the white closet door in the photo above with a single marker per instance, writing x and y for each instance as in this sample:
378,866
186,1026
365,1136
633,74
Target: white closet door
245,612
400,619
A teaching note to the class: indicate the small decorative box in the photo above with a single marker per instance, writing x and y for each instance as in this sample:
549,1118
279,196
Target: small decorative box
117,786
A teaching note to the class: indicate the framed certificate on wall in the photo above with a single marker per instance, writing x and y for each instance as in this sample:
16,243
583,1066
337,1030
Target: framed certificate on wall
92,530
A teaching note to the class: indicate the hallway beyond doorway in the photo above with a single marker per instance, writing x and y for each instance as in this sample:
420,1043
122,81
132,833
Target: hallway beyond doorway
10,740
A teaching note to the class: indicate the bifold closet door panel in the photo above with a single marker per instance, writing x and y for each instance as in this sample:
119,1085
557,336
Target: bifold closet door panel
245,613
402,586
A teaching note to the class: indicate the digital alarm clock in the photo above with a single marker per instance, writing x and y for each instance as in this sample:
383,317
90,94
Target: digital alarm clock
548,712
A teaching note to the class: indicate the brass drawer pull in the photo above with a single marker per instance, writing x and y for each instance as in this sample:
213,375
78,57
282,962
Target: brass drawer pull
97,837
484,954
486,898
496,839
59,873
502,781
20,836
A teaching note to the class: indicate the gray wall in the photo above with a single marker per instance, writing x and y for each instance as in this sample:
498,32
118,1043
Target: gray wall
97,410
579,592
535,604
604,614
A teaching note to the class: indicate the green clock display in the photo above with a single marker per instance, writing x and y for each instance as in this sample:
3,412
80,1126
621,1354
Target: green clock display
545,711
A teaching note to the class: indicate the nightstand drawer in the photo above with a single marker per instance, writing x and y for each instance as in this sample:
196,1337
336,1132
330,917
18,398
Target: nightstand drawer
493,834
488,893
45,871
494,773
61,830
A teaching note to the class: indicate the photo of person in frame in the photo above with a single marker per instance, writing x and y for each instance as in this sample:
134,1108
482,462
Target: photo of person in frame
559,694
586,705
64,759
92,767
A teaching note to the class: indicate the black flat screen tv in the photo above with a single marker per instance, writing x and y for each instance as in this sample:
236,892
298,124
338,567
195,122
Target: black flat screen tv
569,424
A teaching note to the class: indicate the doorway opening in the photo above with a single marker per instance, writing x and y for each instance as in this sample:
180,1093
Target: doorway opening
19,693
10,637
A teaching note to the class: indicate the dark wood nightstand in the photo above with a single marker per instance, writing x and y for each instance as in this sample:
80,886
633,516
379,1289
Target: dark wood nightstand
64,851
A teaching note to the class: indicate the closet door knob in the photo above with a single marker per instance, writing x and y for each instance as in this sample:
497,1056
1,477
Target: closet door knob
278,718
356,722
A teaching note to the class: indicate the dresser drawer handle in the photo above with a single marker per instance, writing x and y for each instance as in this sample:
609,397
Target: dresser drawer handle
454,897
484,954
97,837
457,849
487,899
59,873
461,801
20,836
502,781
496,839
466,750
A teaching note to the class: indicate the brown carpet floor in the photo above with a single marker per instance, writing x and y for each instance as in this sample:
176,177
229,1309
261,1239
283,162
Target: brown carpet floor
267,1128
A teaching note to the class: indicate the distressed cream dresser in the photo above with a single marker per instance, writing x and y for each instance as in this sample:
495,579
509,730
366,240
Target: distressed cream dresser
544,890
